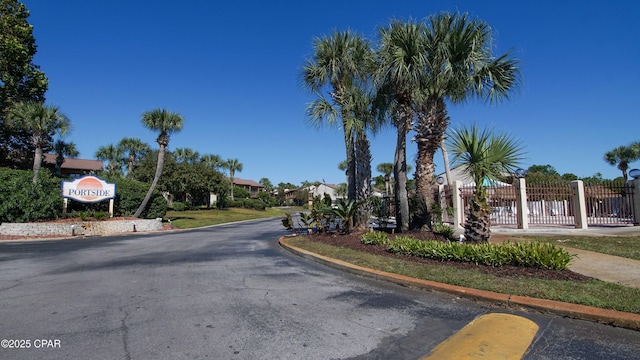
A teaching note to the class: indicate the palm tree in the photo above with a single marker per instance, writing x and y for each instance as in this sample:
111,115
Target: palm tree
187,155
460,65
341,63
113,155
42,121
165,123
402,57
622,156
212,161
135,148
63,149
233,165
485,156
387,170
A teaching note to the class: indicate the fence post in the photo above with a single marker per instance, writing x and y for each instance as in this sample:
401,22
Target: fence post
579,205
521,204
636,202
458,205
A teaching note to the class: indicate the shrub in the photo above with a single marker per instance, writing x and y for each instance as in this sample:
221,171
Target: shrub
129,195
23,201
527,254
259,205
443,229
375,238
100,215
179,206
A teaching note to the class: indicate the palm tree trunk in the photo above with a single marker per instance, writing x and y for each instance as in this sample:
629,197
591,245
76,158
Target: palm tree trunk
156,177
37,163
351,164
400,170
363,178
432,124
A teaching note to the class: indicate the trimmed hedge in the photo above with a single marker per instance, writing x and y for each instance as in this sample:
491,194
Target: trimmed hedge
527,254
23,201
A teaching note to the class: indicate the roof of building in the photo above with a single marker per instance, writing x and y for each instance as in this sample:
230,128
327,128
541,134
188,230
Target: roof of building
237,181
78,164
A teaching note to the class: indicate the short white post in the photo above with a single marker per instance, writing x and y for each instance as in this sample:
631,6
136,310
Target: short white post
458,204
579,205
521,204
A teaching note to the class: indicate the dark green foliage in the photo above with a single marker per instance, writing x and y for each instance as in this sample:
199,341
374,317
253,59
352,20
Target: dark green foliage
21,200
20,80
179,206
259,205
267,198
240,193
129,195
443,229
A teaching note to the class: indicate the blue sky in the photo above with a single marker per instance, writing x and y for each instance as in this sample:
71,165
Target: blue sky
232,69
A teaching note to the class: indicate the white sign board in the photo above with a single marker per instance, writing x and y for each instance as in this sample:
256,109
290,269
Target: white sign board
88,189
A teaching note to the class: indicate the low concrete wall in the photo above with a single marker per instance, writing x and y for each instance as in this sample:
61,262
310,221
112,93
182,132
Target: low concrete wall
86,228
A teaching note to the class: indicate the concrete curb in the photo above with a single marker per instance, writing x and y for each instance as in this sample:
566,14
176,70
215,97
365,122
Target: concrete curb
609,317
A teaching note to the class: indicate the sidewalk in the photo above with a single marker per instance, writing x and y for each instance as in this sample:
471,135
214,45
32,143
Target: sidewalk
604,267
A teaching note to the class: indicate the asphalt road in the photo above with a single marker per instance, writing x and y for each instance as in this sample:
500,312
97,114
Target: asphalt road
230,292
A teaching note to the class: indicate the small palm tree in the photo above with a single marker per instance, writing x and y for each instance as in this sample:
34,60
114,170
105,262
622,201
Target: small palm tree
135,148
42,121
165,123
113,155
233,165
485,156
63,149
622,156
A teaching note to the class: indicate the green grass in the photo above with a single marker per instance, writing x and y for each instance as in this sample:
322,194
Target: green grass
594,293
200,218
624,246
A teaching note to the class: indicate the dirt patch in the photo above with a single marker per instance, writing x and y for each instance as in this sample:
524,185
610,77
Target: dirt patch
352,241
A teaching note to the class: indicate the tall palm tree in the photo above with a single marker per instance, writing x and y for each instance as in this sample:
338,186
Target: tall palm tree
460,65
165,123
387,170
402,57
42,121
485,156
113,155
341,63
63,149
232,165
135,148
622,156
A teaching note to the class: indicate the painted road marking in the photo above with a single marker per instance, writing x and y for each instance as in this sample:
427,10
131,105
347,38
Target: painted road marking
491,336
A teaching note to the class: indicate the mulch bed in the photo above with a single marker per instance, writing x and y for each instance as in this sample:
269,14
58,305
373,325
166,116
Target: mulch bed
352,241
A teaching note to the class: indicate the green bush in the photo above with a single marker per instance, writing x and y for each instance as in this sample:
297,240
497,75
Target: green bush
236,203
443,229
179,206
23,201
129,195
527,254
375,238
259,205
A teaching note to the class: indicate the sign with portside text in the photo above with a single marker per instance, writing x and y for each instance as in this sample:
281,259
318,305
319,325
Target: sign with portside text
88,189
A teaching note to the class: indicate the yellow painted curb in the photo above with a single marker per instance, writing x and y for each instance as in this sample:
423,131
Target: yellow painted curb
491,336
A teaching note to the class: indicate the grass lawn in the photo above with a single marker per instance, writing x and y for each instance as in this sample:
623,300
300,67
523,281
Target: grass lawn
200,218
594,293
